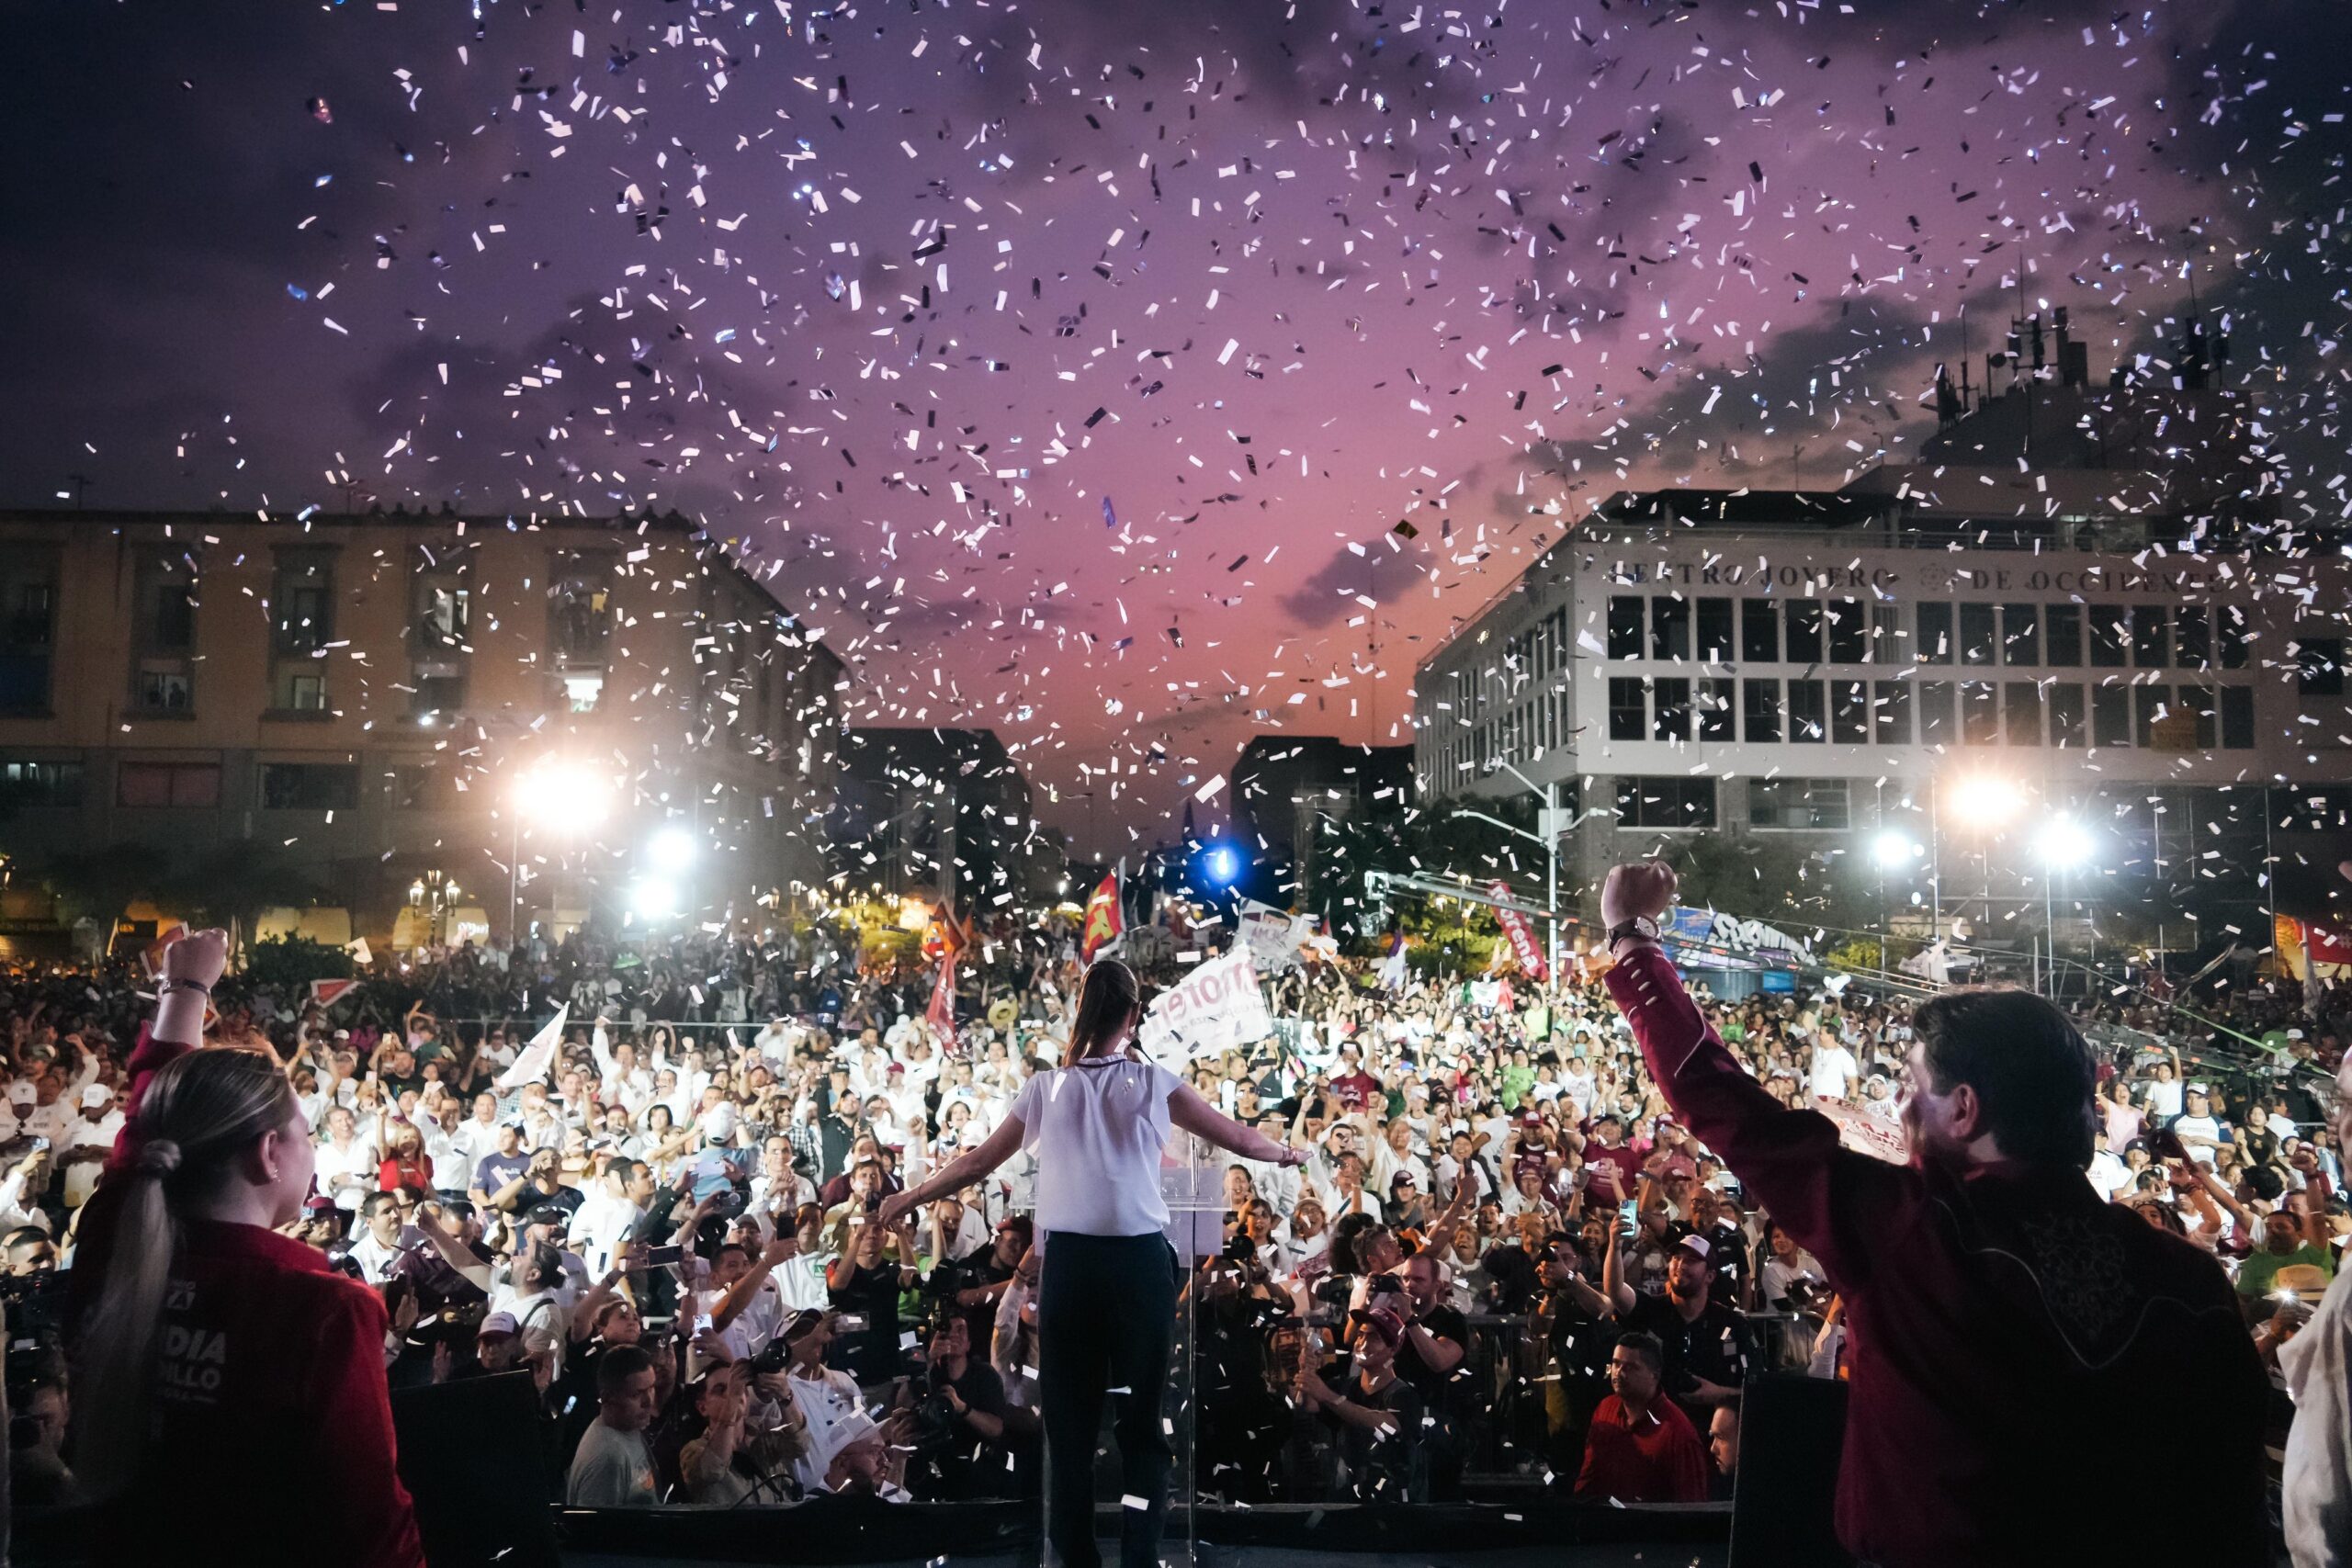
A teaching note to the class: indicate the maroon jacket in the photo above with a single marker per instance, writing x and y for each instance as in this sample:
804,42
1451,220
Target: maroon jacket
2038,1376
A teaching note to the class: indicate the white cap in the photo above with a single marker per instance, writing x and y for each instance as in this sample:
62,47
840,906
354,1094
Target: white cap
22,1092
97,1094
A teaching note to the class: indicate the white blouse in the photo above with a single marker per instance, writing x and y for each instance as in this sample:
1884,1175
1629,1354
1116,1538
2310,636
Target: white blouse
1097,1130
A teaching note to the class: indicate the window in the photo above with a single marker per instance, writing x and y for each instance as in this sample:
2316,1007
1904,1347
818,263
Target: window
1624,625
1935,635
580,610
1809,805
1805,631
2234,652
1671,720
1716,698
2020,636
1894,713
304,692
1809,711
1715,631
163,687
1980,714
2066,715
2237,718
443,615
301,600
28,593
1666,803
1669,628
2150,645
2021,712
2319,666
1886,636
41,783
2062,627
2193,639
1760,631
2109,638
2150,705
2199,702
1628,713
309,786
1850,713
1935,722
1759,703
1849,631
1977,640
2111,715
189,785
163,635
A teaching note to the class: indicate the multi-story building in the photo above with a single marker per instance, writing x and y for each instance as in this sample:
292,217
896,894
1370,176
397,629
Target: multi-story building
382,701
941,815
1285,785
1893,667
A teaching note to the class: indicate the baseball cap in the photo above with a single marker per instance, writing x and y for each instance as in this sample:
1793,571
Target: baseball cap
498,1323
1697,1246
22,1093
97,1094
801,1323
1384,1321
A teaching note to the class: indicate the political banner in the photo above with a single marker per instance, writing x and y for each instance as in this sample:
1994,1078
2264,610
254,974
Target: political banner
1521,932
1216,1009
1273,937
326,993
1867,1134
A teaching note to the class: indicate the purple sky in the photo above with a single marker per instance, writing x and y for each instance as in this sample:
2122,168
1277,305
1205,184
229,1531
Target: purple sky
913,295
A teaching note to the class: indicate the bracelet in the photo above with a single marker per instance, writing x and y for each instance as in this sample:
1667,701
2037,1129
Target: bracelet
168,987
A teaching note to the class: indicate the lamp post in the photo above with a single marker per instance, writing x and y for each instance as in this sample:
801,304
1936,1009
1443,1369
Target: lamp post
558,796
1983,801
2065,842
1549,837
1891,850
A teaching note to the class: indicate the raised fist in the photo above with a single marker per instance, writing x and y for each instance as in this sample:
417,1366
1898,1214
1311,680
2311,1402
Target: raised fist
1641,889
198,957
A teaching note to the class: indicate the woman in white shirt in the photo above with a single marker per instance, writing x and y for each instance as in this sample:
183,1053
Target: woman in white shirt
1107,1299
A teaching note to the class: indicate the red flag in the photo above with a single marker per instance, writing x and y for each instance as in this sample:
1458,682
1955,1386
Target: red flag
1103,922
1522,935
940,1014
945,936
326,993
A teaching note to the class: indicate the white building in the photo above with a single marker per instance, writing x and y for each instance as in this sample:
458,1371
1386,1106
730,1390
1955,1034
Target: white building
1840,665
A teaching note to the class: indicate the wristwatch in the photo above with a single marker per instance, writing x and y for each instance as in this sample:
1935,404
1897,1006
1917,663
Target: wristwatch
1640,925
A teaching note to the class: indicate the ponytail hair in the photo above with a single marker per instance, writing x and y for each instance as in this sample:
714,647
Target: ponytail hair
1107,1002
199,1112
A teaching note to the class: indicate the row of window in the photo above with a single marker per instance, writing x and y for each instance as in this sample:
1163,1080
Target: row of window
1817,805
1848,631
280,786
302,628
1768,710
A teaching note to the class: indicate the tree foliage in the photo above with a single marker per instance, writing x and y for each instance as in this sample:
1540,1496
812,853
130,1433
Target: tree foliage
291,963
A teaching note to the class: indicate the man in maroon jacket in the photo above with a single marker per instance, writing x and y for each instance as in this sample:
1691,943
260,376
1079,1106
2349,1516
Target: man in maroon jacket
1998,1315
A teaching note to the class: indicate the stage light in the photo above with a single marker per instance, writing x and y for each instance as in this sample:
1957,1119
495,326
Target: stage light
653,899
2065,842
1221,865
1985,800
1894,850
671,849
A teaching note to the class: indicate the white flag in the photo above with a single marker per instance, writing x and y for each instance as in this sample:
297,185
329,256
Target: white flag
1217,1008
538,1054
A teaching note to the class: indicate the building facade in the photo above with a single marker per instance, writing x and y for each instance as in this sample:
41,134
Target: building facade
1905,662
376,702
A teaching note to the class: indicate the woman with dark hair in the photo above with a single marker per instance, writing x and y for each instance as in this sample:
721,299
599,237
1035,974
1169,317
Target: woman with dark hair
1107,1301
213,1357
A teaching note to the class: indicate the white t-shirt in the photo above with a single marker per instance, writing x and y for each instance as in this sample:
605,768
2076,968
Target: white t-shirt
1834,1068
1098,1129
2164,1097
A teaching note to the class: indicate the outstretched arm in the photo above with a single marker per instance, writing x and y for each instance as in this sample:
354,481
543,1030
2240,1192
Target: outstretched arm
1197,1116
959,1172
1826,1196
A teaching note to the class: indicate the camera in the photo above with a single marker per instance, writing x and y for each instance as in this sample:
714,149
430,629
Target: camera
1383,1285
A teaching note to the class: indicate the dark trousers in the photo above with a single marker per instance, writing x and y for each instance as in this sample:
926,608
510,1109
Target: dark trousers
1106,1316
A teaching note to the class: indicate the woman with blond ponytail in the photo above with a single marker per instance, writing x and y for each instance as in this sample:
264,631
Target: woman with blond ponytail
213,1357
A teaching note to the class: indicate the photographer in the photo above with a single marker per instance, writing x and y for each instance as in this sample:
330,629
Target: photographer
960,1452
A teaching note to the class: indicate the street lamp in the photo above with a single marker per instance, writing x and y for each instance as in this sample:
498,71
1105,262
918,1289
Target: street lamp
558,795
2064,843
1980,801
1550,827
1891,851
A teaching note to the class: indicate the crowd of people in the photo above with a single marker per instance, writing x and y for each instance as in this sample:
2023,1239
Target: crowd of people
1499,1259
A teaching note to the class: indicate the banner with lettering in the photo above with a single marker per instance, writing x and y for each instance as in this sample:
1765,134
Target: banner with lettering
1214,1010
1867,1134
1521,932
1272,936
